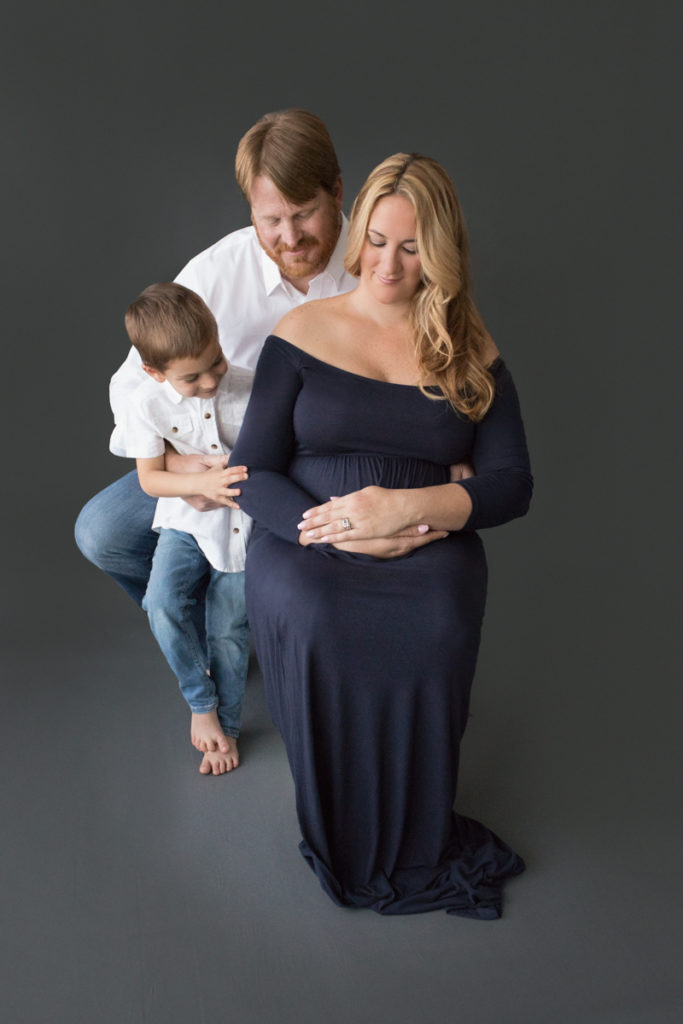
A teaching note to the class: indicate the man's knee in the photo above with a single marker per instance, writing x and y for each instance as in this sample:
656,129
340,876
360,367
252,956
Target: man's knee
88,535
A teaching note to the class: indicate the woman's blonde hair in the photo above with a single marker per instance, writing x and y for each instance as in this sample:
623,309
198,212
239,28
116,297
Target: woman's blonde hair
448,328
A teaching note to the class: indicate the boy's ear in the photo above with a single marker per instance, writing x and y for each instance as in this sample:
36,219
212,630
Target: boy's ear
156,374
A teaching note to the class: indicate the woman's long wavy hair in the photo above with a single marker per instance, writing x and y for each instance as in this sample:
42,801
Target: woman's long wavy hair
449,331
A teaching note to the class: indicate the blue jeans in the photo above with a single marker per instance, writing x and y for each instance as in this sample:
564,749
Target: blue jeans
199,619
114,531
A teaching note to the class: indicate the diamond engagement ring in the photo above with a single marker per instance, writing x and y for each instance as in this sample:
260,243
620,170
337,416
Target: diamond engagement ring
346,523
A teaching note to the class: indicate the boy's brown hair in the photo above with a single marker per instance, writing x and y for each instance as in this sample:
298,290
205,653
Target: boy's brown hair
168,321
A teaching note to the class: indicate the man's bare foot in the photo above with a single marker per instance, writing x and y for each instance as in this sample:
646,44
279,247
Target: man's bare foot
206,733
216,763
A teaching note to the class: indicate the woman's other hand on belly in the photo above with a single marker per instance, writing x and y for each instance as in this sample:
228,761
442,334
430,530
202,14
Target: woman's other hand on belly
392,547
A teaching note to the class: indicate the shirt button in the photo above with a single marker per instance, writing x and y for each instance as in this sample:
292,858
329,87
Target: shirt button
207,415
174,430
214,446
235,529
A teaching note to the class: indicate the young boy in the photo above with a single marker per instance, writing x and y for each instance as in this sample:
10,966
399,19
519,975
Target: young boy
195,596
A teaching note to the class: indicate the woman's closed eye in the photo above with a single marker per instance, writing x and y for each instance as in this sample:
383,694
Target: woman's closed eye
377,244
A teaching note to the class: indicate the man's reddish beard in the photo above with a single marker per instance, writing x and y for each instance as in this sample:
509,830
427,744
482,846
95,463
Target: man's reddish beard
317,251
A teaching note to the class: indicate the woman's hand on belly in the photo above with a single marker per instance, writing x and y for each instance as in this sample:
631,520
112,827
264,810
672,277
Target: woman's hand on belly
392,547
361,515
375,512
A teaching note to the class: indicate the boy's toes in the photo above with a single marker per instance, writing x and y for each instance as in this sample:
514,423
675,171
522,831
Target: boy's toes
216,763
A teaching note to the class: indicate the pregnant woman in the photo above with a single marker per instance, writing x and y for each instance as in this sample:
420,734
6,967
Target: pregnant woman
366,579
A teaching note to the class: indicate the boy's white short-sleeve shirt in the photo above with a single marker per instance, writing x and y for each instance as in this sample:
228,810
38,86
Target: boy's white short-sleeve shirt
155,414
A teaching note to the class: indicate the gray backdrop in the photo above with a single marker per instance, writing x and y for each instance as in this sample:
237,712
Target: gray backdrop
133,889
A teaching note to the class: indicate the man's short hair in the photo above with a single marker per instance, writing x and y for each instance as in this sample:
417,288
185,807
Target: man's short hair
294,150
168,321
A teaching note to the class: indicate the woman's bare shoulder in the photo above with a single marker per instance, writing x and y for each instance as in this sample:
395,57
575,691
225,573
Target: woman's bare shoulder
309,324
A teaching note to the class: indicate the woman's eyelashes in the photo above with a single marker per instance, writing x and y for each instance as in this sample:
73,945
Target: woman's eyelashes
378,245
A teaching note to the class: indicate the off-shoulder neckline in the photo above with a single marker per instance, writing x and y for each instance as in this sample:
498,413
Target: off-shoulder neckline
493,367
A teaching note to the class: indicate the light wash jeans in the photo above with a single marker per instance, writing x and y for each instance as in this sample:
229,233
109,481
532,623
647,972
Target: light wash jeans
114,531
199,619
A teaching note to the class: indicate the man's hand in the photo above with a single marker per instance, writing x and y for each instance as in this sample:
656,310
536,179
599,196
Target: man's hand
176,463
461,471
205,505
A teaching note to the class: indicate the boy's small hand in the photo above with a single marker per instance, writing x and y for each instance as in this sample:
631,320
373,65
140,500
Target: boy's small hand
197,464
218,483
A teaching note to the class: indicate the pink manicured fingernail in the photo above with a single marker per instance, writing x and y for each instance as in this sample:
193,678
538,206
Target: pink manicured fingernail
423,528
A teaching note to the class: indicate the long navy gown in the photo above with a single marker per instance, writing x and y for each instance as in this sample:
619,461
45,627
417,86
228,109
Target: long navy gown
368,662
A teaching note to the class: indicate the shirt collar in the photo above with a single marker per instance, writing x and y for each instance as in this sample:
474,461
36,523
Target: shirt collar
171,393
335,267
177,398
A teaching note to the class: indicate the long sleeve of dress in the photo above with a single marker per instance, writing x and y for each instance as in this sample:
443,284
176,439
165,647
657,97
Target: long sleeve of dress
266,444
502,487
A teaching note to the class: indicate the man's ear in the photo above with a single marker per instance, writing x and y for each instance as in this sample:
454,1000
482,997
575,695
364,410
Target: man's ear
155,374
338,191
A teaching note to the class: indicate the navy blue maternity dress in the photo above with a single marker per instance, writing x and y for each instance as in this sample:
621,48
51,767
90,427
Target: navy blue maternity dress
368,662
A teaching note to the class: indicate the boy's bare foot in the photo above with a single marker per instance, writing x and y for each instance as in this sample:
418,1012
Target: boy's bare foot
206,733
216,763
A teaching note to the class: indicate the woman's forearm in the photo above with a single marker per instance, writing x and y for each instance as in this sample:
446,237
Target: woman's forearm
441,507
275,501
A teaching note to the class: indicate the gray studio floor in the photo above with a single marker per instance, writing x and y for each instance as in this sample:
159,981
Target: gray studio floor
136,891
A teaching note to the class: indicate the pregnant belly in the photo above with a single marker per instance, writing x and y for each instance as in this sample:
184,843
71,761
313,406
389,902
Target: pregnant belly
325,476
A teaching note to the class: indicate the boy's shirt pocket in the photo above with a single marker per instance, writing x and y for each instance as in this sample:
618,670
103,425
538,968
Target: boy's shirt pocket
177,426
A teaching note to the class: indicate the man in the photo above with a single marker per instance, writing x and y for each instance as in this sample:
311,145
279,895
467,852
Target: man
294,251
288,171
